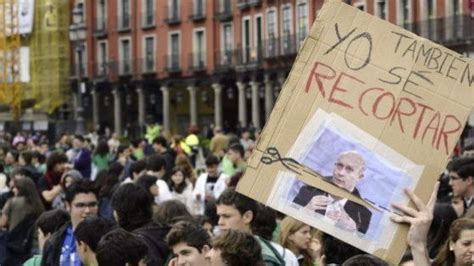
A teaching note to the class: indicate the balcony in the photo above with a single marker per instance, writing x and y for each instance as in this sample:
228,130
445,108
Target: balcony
224,10
224,60
172,16
100,27
254,3
248,58
148,19
173,63
447,31
123,23
198,61
147,65
101,70
243,4
272,48
74,71
125,67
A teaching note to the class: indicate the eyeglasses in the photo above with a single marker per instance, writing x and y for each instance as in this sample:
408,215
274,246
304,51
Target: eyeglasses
82,205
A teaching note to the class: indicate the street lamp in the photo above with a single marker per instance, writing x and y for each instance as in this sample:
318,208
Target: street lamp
77,35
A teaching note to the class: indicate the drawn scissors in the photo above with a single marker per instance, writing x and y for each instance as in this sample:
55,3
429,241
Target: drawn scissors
273,155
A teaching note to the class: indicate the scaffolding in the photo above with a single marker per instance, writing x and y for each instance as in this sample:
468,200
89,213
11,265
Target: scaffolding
10,43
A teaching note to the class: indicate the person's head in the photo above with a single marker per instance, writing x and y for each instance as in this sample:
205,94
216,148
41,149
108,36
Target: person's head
70,177
102,148
148,182
212,165
56,162
121,248
205,222
265,222
25,158
336,251
25,187
459,247
171,211
49,222
160,144
236,153
365,260
461,180
235,211
78,142
234,248
81,201
156,164
87,235
178,179
137,169
132,206
189,242
123,151
468,151
348,170
295,235
11,157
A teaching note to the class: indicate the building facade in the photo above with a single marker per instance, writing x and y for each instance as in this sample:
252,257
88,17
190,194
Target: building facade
220,62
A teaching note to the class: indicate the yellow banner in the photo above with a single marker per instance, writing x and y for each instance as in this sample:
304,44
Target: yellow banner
50,54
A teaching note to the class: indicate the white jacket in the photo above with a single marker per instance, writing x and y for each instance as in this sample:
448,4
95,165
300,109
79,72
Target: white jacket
164,192
186,197
200,189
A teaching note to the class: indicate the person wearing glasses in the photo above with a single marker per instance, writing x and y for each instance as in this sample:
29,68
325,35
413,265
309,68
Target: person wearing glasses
348,170
81,203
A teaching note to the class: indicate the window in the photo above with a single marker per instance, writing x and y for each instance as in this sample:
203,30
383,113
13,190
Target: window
246,39
173,11
125,57
199,57
174,49
452,8
404,12
102,59
286,29
124,14
149,54
148,10
101,15
302,13
271,33
381,9
81,60
225,6
430,9
257,52
226,43
199,7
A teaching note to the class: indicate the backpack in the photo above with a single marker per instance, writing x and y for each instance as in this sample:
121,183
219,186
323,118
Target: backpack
270,256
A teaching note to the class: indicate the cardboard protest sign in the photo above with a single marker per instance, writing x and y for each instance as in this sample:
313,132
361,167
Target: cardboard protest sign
367,110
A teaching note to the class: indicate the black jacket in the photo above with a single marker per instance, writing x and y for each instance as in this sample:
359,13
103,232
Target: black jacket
52,247
360,214
154,236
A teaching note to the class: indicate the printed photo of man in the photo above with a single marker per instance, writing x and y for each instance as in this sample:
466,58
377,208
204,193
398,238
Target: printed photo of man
348,170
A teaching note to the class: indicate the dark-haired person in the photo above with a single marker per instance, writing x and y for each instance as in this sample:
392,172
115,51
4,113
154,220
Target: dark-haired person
238,212
81,202
236,155
121,248
49,184
101,157
25,161
148,183
88,234
137,169
181,187
170,212
133,211
48,222
235,248
209,185
124,158
160,146
82,159
155,166
190,244
18,215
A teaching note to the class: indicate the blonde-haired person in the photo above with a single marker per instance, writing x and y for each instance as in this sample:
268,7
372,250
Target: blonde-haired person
297,237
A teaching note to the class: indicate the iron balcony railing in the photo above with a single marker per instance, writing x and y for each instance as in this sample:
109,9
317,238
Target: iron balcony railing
223,10
100,26
172,16
198,61
124,22
198,10
148,18
173,64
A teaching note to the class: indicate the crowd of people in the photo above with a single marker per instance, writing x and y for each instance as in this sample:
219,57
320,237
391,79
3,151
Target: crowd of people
171,200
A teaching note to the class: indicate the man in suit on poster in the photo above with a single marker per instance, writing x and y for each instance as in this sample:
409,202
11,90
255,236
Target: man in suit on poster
348,170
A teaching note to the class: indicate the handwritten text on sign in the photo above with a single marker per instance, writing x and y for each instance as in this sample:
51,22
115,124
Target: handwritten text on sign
409,114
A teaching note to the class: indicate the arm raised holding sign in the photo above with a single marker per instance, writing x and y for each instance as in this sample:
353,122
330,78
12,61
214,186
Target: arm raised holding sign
420,219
